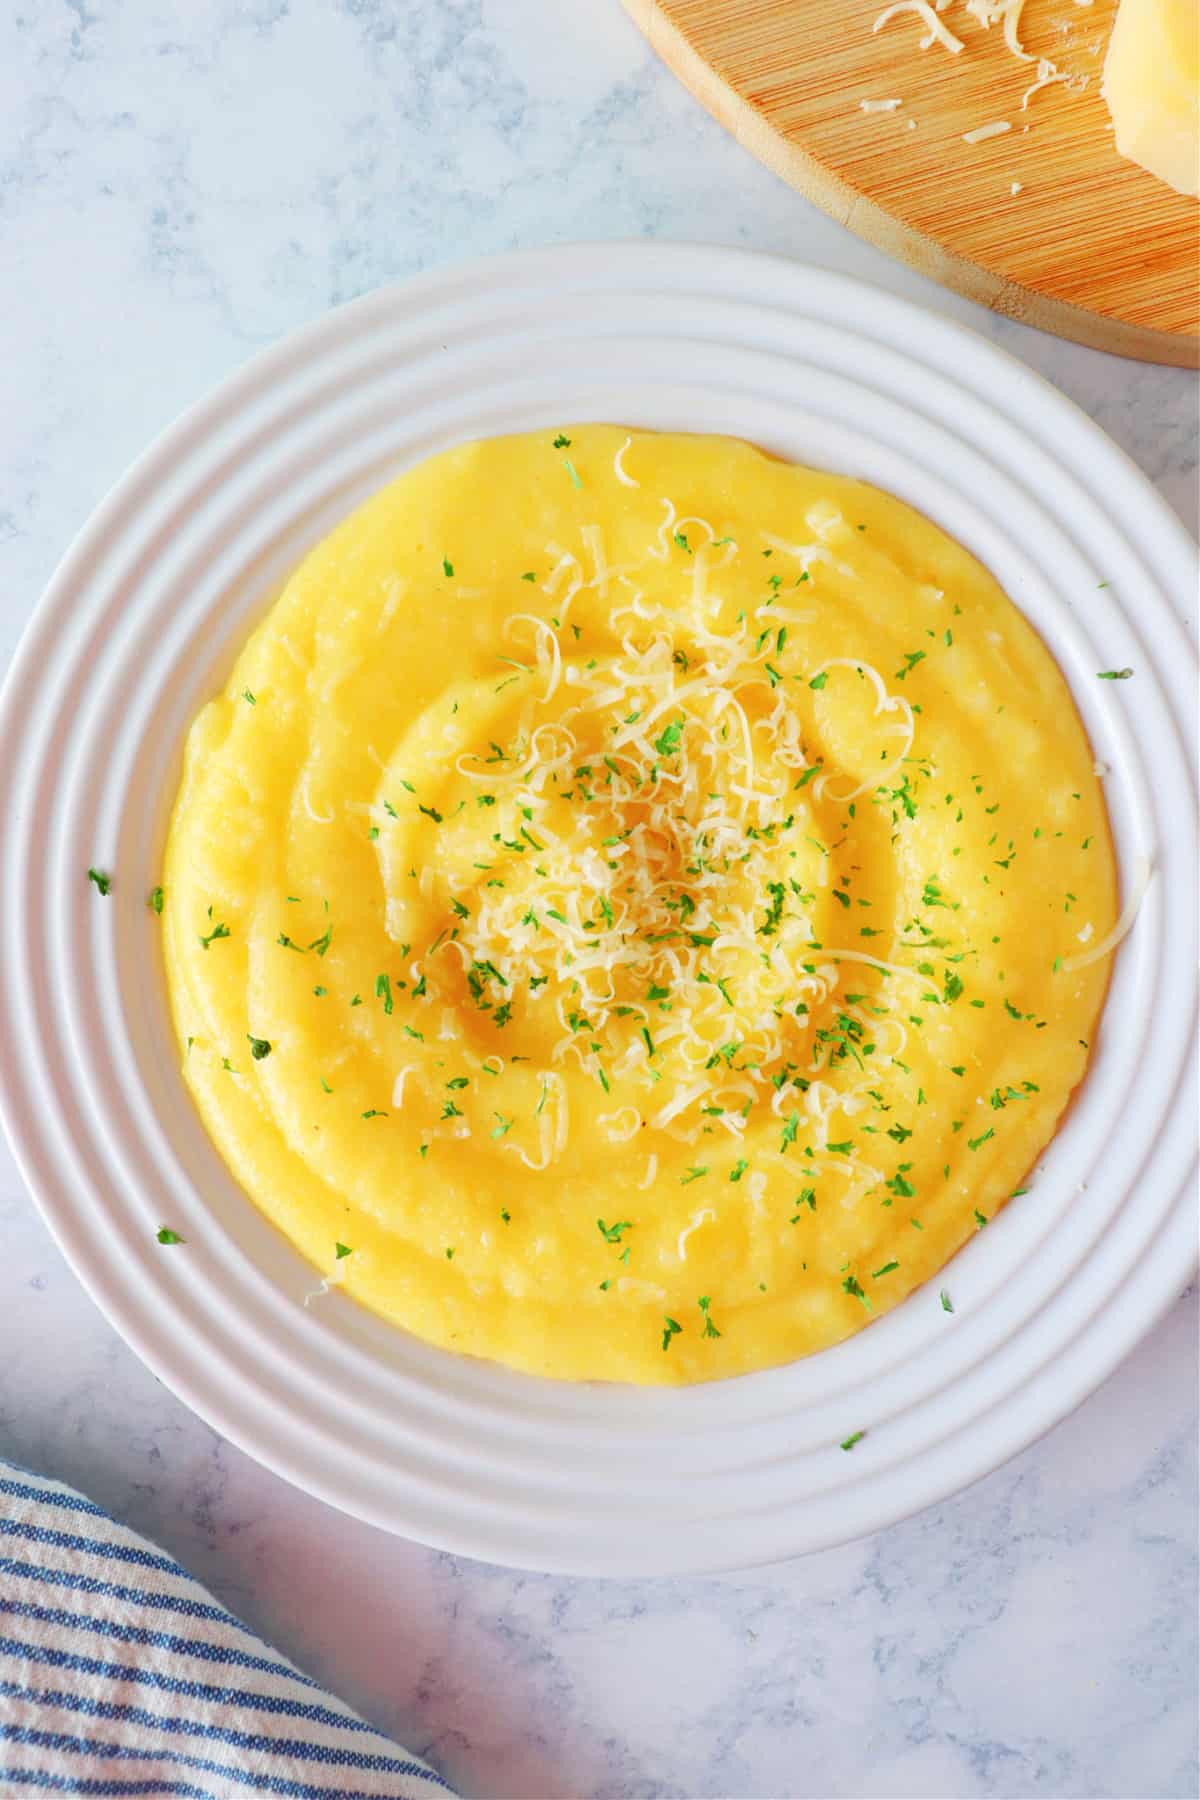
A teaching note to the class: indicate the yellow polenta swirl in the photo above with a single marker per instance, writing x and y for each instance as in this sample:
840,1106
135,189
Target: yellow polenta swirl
628,914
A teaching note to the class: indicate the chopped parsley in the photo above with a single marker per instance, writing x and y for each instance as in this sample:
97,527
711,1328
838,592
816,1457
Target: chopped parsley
668,743
855,1290
710,1330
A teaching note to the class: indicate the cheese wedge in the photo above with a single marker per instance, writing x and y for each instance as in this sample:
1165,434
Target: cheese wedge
1152,86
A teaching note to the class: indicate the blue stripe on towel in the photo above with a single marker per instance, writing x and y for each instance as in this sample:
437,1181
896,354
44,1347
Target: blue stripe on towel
31,1490
285,1785
57,1699
112,1590
201,1648
42,1782
69,1540
181,1685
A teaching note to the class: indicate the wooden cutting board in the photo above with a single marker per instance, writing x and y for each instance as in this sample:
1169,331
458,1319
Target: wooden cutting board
1089,246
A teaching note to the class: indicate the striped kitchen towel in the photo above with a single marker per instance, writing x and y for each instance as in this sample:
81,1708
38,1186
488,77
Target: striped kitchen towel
120,1675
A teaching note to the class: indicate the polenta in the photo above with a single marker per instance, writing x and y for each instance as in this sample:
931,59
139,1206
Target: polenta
637,907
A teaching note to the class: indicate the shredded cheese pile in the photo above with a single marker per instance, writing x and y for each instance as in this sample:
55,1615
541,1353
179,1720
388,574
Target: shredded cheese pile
653,813
986,13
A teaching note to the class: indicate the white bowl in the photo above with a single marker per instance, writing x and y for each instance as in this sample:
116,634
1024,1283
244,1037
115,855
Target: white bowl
140,625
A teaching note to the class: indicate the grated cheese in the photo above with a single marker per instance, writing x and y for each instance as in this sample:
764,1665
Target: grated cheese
699,722
936,32
316,817
1123,926
1006,13
698,1219
662,547
619,466
1047,74
617,1132
982,132
985,13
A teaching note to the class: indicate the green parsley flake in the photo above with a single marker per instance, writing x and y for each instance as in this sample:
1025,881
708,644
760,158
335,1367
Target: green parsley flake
101,881
668,743
710,1330
165,1235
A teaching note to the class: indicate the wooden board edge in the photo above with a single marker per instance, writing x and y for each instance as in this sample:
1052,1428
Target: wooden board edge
871,222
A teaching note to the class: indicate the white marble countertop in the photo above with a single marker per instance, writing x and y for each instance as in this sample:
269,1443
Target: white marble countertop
179,185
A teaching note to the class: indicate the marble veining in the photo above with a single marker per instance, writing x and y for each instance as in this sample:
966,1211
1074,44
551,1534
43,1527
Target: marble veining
180,185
